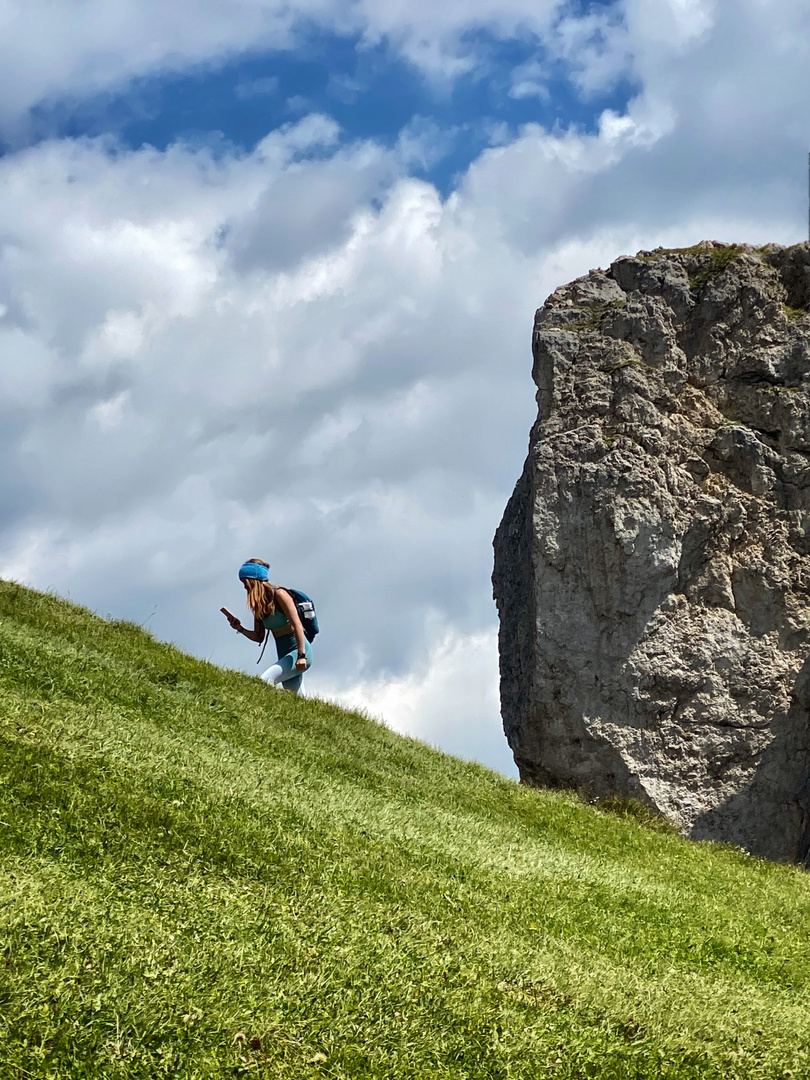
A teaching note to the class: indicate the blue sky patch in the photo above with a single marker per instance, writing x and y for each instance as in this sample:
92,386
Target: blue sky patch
370,91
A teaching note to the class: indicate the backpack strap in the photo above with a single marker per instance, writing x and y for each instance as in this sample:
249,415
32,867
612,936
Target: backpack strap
267,636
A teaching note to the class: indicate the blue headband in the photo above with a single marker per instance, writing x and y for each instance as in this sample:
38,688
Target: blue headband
252,570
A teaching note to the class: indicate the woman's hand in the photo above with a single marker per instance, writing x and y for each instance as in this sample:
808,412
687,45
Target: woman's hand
301,663
232,619
256,634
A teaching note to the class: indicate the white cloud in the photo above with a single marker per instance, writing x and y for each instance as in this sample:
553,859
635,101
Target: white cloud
110,413
530,80
596,46
674,24
78,48
26,381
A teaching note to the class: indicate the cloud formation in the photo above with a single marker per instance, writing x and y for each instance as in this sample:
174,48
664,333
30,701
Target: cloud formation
79,48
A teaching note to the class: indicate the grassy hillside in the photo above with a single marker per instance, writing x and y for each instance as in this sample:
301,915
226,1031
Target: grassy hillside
203,877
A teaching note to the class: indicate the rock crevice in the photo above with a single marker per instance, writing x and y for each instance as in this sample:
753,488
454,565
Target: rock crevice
652,569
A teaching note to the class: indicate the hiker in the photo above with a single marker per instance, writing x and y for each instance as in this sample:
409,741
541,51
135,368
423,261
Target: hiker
274,611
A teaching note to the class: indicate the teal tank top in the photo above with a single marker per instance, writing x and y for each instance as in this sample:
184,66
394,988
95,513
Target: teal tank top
276,621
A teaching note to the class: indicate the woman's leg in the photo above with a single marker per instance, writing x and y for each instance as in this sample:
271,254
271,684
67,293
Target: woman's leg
284,674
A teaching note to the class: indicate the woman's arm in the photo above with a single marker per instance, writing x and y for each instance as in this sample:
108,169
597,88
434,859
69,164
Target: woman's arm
256,634
287,605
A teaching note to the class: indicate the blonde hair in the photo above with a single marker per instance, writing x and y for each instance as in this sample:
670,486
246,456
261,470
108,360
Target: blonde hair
261,595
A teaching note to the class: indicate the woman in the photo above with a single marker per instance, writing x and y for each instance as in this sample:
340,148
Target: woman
274,611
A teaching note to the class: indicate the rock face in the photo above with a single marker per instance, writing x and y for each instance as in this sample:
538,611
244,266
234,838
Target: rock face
652,569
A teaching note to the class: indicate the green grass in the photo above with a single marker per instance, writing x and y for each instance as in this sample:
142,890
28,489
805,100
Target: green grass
203,877
592,316
707,262
712,262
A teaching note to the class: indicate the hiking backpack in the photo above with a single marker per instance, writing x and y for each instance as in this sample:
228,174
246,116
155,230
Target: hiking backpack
305,607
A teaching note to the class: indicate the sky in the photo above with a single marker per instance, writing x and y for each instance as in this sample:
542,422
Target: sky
268,273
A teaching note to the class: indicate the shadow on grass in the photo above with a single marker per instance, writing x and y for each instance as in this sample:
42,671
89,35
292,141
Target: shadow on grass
630,809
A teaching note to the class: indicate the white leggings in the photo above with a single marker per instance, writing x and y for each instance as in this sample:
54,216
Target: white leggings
284,672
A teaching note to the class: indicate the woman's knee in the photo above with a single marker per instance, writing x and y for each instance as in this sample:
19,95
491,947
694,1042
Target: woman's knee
272,675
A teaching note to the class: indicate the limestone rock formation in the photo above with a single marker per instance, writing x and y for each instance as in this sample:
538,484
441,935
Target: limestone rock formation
652,569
